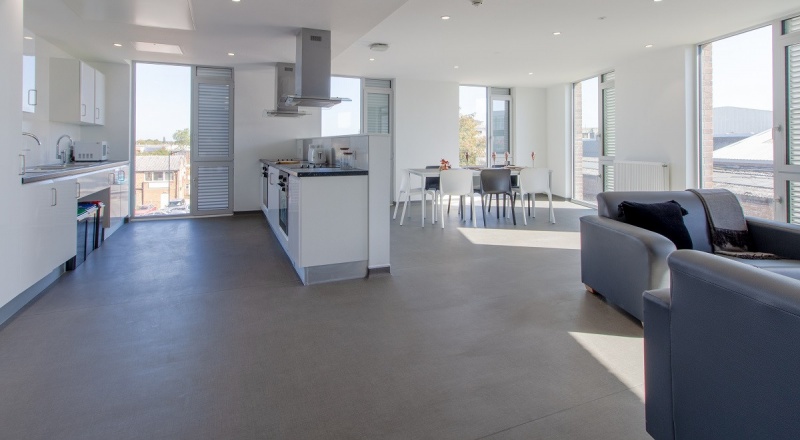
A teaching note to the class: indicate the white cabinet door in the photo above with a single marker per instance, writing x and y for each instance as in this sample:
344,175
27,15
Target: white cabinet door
29,83
49,233
87,93
91,183
99,98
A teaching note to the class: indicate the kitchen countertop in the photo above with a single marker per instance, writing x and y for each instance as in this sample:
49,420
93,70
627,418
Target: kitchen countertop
314,172
71,169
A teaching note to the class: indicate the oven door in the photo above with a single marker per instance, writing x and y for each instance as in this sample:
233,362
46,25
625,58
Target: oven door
283,202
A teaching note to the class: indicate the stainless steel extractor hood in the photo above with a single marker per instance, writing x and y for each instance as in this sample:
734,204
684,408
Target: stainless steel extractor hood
312,79
284,85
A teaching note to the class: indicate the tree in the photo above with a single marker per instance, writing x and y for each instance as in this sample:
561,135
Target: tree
182,137
470,141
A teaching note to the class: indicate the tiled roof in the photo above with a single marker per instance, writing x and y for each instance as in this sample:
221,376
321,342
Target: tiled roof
159,163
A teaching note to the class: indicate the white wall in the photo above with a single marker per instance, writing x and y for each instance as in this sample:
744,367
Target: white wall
529,125
117,127
656,112
256,137
426,124
11,140
559,138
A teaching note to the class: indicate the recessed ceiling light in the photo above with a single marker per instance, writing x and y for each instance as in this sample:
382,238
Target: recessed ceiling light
455,67
656,1
28,38
530,73
445,17
372,59
648,46
117,45
556,33
230,54
236,1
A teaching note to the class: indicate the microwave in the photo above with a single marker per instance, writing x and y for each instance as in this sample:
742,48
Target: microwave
90,151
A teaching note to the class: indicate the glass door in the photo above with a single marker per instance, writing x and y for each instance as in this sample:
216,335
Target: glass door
586,142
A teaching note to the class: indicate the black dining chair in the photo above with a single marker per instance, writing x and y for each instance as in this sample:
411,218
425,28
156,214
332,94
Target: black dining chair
496,182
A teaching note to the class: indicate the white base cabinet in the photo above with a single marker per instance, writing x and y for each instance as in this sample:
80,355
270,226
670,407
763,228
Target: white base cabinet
49,231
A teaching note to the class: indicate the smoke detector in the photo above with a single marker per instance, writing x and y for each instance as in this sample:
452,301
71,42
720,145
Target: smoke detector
476,2
379,47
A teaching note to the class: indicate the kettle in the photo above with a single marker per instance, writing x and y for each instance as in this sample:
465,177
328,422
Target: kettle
316,154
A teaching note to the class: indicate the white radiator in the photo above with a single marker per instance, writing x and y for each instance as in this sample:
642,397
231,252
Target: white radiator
641,176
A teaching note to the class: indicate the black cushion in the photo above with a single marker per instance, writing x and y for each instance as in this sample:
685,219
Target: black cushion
662,218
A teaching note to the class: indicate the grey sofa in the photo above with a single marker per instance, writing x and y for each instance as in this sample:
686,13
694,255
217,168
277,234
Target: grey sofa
620,261
721,352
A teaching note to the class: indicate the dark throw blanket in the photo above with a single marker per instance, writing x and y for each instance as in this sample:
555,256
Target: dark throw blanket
729,234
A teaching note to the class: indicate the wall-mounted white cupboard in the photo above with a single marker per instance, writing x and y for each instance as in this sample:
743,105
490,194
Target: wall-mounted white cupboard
77,92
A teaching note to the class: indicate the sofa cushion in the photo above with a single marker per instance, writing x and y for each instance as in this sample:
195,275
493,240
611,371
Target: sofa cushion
664,218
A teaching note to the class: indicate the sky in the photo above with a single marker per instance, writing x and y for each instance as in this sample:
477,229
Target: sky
163,100
743,70
344,118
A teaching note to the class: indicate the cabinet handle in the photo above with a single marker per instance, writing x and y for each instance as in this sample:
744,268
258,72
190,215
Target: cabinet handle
35,94
21,164
112,177
54,194
83,109
97,113
271,175
78,190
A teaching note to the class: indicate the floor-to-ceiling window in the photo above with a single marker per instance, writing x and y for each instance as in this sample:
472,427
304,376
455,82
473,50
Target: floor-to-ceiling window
484,126
162,154
736,82
344,118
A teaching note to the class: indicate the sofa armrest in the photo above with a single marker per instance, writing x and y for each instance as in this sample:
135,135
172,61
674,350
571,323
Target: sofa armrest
620,261
657,364
735,356
775,237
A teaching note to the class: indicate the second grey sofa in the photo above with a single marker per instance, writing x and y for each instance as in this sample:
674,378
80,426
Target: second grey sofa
620,261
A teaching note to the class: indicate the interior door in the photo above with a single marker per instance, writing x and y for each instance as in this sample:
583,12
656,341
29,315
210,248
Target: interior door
786,131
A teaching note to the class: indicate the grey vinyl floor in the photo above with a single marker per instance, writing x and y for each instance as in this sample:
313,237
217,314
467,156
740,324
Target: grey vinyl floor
199,329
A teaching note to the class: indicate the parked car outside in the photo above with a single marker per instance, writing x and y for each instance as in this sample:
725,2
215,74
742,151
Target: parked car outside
143,210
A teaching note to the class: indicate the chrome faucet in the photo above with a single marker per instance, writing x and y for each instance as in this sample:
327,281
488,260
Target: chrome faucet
63,156
31,135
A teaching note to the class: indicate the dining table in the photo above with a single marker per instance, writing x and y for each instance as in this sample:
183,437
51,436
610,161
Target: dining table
424,173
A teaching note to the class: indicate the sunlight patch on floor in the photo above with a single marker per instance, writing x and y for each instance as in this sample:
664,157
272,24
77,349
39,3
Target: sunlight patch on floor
623,357
522,238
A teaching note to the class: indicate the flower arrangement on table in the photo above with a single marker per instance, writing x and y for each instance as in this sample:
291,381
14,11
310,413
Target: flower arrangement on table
444,165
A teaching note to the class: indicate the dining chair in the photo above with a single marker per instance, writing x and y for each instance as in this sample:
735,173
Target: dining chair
531,182
456,183
496,182
405,195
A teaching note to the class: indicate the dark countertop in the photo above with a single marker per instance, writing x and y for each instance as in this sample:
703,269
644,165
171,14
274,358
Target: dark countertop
72,169
315,172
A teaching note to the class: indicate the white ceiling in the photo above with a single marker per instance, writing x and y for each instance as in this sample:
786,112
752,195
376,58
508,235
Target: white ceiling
497,43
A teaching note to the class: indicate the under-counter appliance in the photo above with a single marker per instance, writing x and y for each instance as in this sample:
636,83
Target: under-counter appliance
90,151
283,202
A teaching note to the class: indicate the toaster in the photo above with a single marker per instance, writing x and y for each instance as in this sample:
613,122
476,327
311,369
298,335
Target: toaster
90,151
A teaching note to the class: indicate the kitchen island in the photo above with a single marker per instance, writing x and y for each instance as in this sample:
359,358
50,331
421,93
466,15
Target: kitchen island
320,218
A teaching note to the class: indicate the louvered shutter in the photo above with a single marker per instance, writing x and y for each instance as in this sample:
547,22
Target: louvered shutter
378,105
793,102
609,115
213,141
